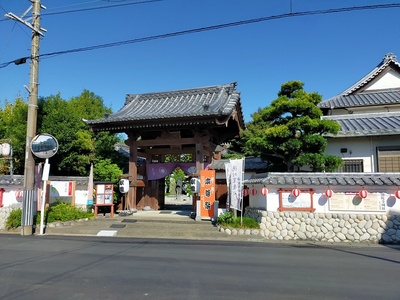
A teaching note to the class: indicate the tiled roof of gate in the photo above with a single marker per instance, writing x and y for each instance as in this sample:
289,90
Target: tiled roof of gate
371,124
362,99
326,179
188,105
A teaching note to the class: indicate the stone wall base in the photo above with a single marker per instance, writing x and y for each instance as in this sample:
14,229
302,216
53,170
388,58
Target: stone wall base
328,227
5,212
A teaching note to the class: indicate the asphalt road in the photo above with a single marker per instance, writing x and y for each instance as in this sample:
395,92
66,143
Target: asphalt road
87,267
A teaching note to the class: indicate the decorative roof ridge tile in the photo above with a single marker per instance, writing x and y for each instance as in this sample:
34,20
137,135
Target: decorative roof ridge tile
387,60
185,91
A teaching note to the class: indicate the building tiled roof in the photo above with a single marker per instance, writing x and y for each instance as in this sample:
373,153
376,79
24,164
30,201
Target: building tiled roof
125,151
180,107
362,99
354,96
326,179
371,124
18,180
250,164
14,180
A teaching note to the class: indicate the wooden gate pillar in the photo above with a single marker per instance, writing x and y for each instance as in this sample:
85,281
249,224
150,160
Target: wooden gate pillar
199,167
133,155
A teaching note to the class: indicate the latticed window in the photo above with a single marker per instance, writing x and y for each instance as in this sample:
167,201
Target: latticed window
352,166
388,160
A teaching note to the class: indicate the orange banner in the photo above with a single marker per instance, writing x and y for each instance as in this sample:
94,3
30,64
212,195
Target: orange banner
207,193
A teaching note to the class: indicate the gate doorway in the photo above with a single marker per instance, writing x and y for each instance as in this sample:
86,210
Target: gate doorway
178,203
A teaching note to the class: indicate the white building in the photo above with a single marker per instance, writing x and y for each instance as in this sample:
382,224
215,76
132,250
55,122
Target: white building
369,115
359,203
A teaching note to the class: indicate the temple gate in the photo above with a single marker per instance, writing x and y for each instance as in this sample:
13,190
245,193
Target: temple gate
191,121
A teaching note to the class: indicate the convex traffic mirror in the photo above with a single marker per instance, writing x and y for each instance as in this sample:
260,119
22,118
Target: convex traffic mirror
44,145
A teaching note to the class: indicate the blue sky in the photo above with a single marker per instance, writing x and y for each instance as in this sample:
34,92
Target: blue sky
328,52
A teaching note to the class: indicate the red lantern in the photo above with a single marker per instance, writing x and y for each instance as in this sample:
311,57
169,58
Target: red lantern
363,193
264,191
328,193
296,192
245,192
397,194
253,192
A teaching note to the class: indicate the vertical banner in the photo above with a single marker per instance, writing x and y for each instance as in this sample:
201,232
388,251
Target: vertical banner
228,184
236,183
207,193
90,187
38,185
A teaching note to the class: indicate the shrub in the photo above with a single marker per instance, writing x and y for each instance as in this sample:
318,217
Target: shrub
249,223
59,211
14,218
229,220
226,218
62,211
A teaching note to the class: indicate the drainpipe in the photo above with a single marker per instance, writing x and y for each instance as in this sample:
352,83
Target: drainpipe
1,196
372,156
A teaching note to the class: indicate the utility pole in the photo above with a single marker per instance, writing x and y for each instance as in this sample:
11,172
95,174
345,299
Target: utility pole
30,194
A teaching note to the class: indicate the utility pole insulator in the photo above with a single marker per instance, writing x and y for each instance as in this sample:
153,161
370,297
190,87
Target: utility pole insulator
14,17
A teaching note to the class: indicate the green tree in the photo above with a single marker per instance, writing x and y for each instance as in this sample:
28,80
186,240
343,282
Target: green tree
78,145
56,117
13,118
104,147
105,170
289,132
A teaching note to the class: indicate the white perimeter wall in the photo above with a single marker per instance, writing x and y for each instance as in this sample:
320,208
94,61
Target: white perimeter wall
10,197
321,202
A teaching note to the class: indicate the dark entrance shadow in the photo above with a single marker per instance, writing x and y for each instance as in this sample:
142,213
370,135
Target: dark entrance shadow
178,207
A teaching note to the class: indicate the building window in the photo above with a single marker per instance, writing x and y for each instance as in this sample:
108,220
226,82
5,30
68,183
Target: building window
352,166
388,160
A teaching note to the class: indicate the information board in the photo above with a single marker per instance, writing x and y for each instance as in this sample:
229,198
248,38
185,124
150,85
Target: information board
104,194
351,201
104,197
303,202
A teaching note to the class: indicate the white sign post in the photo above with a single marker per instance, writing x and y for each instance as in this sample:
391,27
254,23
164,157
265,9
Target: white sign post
45,177
44,146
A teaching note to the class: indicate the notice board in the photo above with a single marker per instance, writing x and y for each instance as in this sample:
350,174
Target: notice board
303,202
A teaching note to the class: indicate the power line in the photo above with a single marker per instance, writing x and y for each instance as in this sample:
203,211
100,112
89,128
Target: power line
99,7
213,27
94,8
